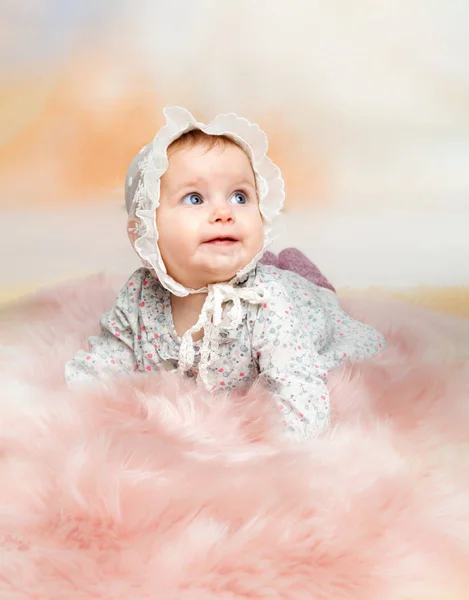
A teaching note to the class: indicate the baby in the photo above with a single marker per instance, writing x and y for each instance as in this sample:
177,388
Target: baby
201,201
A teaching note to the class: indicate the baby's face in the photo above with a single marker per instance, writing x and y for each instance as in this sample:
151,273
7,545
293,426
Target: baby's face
209,221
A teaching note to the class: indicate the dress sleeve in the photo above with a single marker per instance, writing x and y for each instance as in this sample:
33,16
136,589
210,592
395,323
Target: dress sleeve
111,352
291,366
346,338
296,349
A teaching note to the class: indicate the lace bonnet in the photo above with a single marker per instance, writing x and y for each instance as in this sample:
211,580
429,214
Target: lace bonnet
142,189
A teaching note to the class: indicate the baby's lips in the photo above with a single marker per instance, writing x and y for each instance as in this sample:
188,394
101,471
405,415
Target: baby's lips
221,238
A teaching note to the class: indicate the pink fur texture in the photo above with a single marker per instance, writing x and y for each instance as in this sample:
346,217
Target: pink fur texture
150,489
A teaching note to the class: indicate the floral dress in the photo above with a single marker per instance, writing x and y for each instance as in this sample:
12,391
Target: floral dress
290,339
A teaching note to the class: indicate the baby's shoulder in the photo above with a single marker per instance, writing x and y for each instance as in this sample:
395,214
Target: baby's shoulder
292,304
140,288
278,283
142,277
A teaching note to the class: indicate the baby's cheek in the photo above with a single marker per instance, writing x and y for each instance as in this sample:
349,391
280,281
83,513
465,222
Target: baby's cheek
257,239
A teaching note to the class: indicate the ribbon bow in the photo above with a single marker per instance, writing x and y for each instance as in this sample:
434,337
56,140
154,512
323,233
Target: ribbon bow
222,293
213,318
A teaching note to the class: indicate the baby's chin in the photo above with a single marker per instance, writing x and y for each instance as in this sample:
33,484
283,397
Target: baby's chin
219,270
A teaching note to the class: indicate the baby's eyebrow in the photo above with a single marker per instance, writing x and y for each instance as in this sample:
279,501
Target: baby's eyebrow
247,182
188,184
198,181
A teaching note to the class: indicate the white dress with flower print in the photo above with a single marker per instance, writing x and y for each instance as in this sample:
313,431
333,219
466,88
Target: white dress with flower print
291,341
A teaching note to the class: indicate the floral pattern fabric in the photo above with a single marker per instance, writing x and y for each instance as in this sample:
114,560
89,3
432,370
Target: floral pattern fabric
291,341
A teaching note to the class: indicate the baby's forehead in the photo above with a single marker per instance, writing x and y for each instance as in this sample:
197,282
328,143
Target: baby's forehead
197,163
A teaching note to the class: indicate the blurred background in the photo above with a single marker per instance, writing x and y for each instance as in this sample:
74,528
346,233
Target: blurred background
366,105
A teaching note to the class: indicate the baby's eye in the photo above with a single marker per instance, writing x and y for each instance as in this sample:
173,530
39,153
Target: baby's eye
239,198
193,199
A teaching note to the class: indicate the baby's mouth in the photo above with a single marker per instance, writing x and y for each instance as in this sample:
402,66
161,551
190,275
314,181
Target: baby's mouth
222,241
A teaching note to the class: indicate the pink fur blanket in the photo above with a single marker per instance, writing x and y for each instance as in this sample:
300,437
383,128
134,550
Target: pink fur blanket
149,489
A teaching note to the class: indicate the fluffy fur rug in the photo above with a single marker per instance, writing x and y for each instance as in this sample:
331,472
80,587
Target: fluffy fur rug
151,490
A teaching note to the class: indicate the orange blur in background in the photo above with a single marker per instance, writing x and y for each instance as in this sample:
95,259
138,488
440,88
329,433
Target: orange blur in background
365,108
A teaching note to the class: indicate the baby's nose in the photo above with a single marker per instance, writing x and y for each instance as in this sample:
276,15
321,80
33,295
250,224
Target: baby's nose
223,213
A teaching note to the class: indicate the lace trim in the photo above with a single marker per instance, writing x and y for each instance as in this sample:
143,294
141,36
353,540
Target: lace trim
154,163
212,319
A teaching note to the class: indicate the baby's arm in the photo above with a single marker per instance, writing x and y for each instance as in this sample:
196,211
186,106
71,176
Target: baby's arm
111,351
292,367
346,338
296,349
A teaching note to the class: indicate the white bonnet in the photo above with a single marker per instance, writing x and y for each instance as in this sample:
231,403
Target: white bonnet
142,188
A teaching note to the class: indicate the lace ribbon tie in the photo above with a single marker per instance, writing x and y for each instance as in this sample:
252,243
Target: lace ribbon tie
212,319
